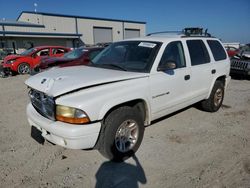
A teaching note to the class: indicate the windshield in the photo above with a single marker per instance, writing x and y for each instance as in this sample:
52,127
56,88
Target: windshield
27,52
75,53
136,56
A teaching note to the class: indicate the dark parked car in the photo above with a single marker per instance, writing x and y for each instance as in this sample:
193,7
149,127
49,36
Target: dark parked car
79,56
4,53
240,63
244,52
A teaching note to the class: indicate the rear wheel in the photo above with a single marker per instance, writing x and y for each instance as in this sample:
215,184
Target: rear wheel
121,135
23,68
214,102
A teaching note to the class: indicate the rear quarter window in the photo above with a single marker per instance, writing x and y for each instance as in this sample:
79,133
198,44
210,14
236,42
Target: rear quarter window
217,50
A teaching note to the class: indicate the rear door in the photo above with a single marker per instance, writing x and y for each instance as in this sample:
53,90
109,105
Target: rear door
201,68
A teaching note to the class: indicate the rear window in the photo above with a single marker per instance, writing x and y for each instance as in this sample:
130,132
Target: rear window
217,50
198,52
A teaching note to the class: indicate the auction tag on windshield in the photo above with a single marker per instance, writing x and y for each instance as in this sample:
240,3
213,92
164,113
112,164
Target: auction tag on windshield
147,44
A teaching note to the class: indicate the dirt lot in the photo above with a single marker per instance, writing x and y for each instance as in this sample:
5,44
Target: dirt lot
191,148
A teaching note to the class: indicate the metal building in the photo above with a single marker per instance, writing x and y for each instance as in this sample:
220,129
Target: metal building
38,28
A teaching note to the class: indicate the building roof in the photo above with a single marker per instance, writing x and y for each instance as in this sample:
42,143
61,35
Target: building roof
84,17
20,24
34,34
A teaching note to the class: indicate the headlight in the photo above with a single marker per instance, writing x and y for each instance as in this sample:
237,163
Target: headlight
71,115
11,61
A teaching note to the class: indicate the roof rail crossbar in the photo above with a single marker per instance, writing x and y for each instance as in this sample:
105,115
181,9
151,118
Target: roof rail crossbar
195,31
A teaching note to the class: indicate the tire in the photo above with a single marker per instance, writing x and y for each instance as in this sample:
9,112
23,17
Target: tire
34,71
214,102
118,128
23,68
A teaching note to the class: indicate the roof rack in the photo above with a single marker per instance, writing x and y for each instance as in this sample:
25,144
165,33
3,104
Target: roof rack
196,31
186,32
166,32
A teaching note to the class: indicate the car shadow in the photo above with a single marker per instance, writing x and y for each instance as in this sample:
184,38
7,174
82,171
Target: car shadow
112,174
197,106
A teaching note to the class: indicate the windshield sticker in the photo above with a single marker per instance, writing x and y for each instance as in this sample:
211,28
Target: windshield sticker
147,44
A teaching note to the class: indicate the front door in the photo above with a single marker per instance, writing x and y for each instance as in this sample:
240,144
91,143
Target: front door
170,90
39,55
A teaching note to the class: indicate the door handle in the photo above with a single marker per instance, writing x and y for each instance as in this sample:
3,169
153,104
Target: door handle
187,77
213,71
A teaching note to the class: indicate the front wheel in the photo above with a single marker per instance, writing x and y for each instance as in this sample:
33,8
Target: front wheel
23,68
122,133
214,102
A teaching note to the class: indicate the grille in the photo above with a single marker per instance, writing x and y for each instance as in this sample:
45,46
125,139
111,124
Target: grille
239,64
44,105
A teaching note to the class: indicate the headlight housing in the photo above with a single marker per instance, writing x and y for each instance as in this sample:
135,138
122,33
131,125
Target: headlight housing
71,115
11,61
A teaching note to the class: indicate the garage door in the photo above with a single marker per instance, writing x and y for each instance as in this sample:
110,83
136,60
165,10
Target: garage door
132,33
102,34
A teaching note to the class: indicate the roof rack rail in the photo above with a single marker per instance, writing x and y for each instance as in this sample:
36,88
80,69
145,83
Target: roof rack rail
166,32
186,32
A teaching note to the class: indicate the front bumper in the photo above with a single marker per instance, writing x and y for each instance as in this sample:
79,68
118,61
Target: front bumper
241,72
64,134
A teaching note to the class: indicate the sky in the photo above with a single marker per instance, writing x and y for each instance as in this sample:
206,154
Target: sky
228,20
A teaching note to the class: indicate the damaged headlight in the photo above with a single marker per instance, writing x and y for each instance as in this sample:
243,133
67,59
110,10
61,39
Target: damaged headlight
71,115
10,61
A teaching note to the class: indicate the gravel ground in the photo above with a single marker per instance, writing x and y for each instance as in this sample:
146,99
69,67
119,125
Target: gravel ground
191,148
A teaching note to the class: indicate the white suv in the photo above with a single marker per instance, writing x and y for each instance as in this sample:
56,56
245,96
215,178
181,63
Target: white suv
107,104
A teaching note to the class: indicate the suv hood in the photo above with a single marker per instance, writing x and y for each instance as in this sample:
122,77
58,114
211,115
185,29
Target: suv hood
57,81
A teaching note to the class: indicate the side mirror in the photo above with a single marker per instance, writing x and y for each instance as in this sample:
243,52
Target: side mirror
34,55
168,65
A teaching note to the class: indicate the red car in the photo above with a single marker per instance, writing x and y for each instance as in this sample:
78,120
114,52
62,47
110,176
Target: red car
231,51
27,60
79,56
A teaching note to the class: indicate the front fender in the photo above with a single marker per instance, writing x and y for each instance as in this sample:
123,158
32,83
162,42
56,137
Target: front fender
122,101
99,100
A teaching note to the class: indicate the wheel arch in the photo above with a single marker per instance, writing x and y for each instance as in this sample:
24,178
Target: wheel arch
140,104
221,78
22,62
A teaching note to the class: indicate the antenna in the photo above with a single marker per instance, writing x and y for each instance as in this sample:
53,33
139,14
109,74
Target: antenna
35,5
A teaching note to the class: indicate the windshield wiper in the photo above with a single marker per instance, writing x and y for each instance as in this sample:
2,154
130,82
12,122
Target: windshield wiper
116,66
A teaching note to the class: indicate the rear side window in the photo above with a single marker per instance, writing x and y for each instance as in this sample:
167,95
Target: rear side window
198,52
217,50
